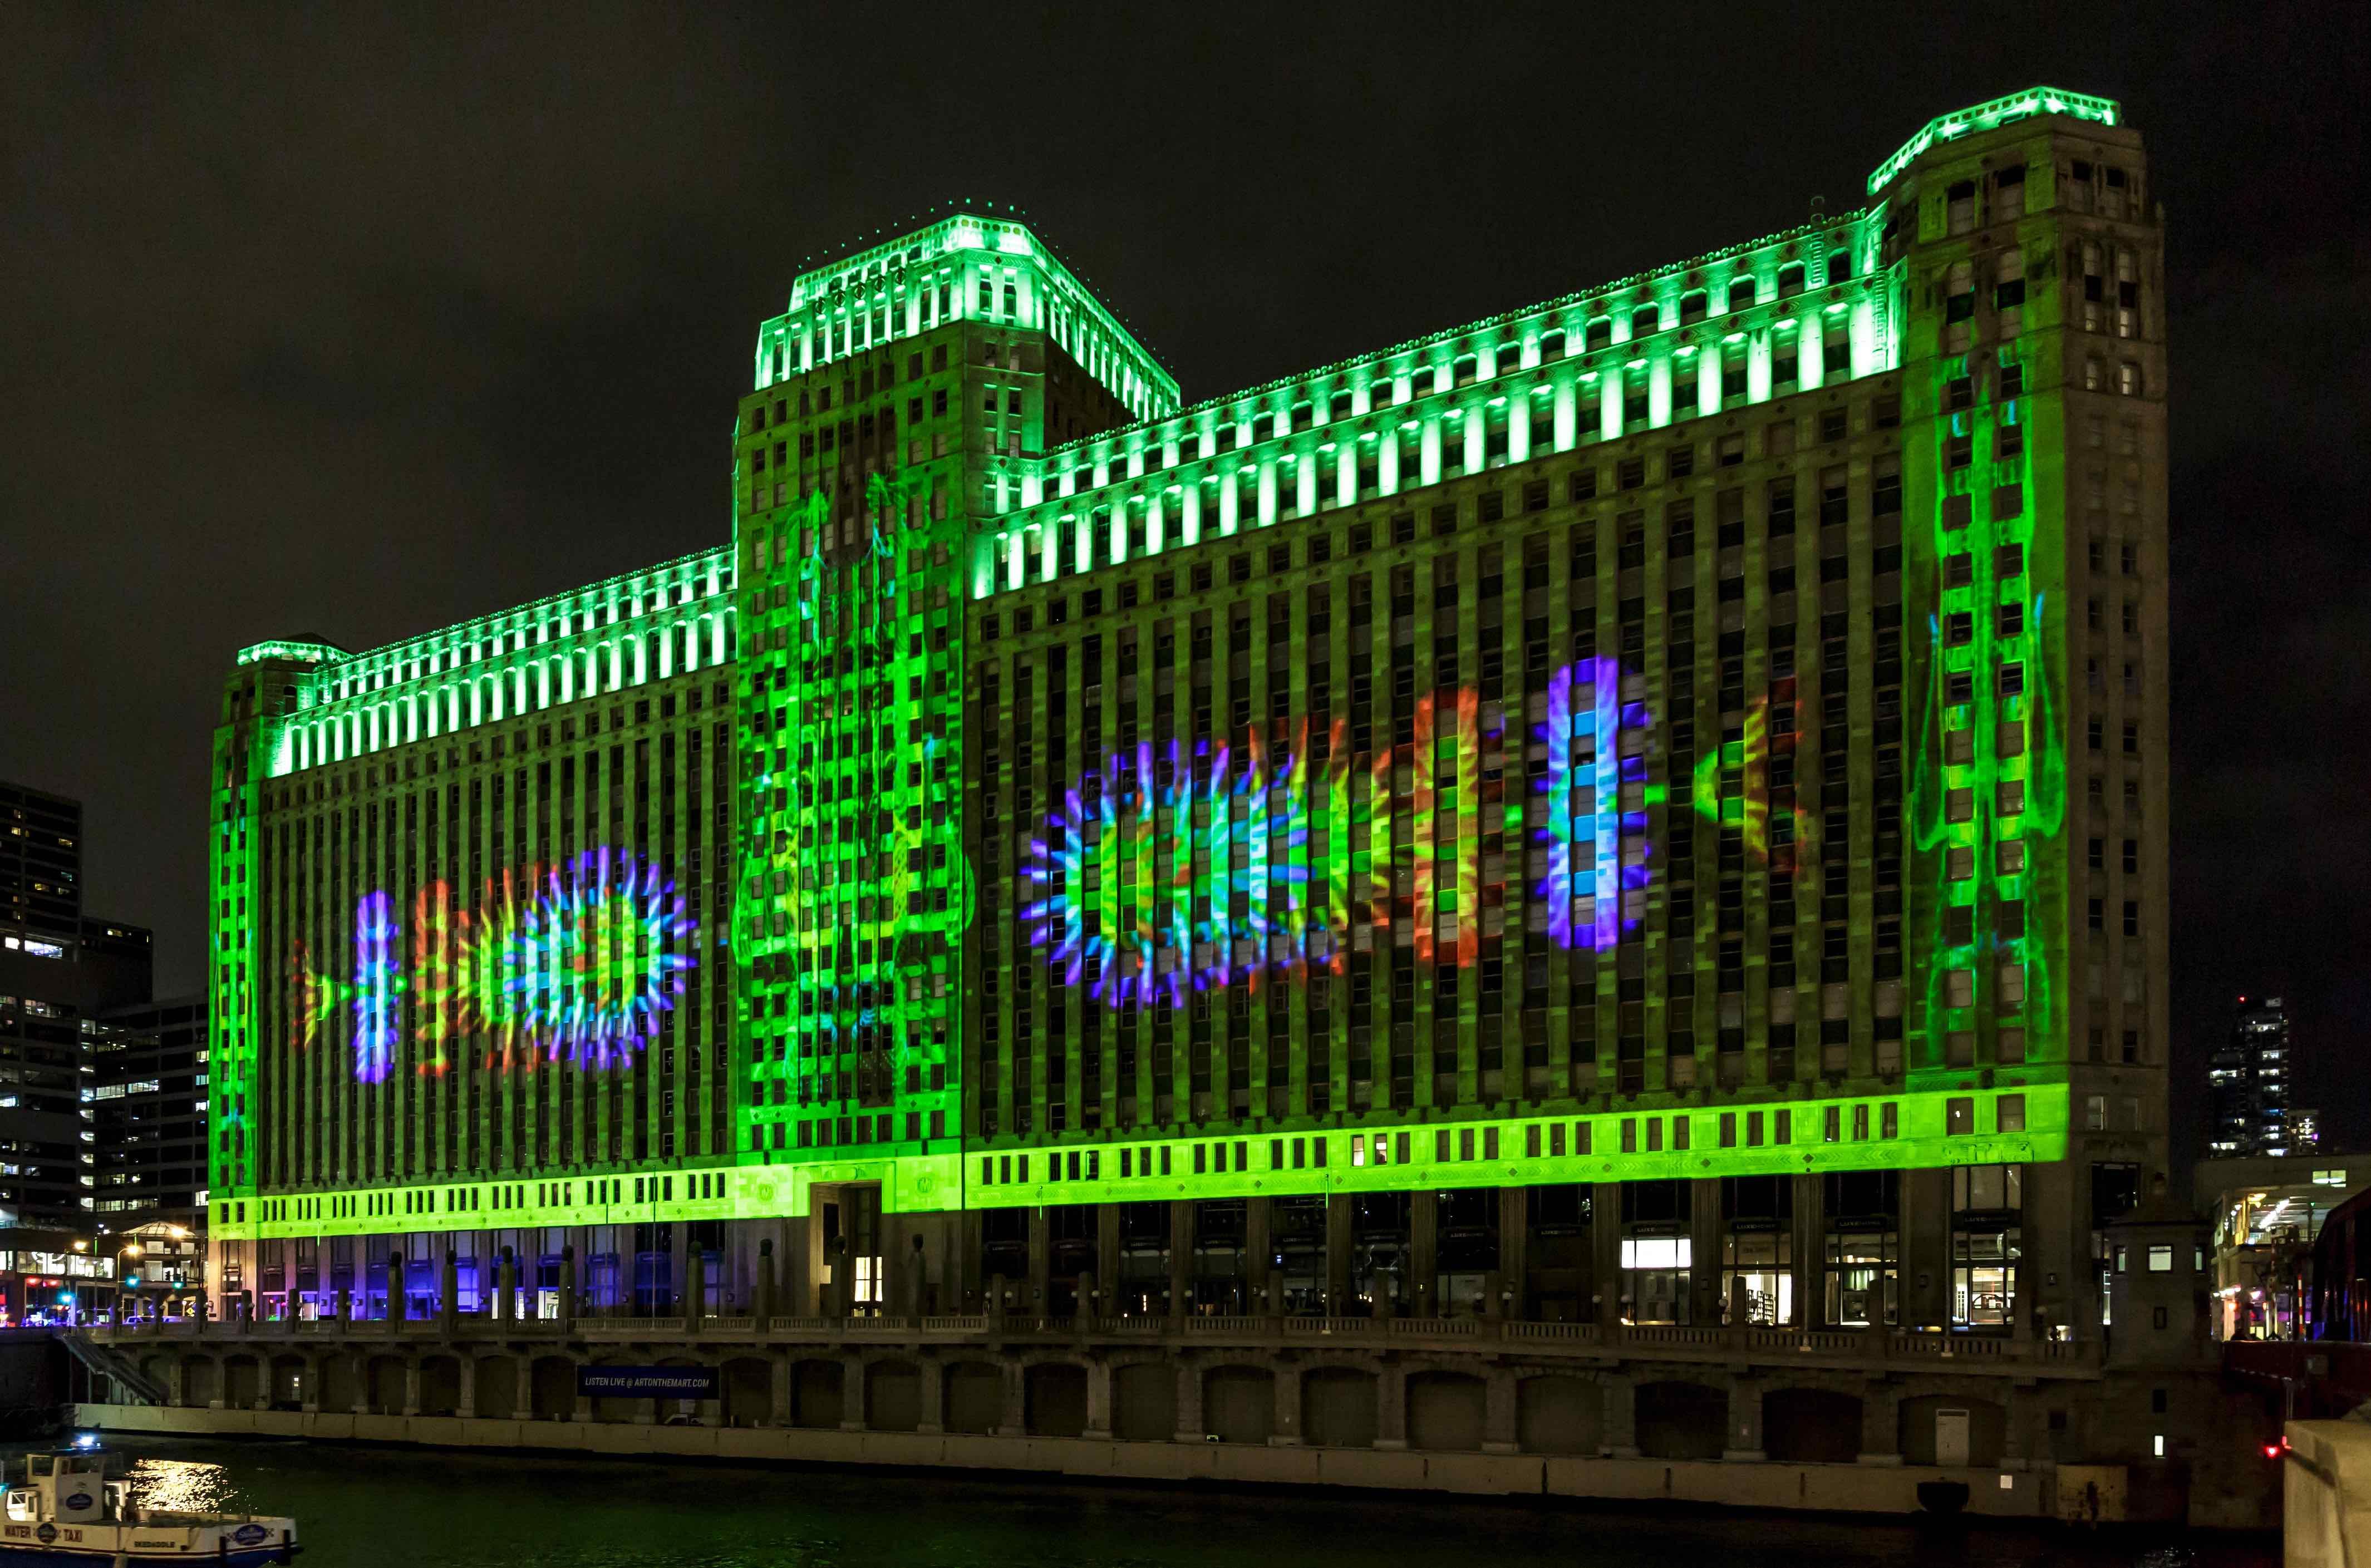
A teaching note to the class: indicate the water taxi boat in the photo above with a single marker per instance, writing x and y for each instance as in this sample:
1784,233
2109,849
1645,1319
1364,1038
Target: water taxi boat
66,1514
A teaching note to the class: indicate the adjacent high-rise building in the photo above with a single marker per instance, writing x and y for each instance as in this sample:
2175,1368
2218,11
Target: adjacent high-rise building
148,1087
59,970
2247,1084
1653,803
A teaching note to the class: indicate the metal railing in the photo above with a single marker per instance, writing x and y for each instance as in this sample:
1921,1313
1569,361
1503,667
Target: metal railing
1665,1342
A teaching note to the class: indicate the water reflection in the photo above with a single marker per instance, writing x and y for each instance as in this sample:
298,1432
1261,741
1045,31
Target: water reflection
371,1508
183,1486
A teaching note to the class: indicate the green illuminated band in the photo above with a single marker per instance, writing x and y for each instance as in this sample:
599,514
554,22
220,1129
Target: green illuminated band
2017,1124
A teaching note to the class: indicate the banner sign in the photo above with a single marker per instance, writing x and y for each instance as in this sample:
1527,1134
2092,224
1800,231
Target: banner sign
646,1382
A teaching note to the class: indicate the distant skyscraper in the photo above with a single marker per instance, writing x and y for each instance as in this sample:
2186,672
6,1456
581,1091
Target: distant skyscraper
58,970
2247,1084
2304,1129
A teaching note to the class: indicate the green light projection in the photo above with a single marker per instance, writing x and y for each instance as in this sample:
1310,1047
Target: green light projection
846,646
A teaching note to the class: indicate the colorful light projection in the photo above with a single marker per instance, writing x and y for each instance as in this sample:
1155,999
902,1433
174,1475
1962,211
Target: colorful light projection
1583,825
1732,786
571,964
1209,847
1177,869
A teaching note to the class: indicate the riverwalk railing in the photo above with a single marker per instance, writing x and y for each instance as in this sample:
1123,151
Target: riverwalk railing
1845,1347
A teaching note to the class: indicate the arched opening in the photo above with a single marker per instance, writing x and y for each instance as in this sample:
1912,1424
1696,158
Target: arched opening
242,1381
554,1379
495,1394
1559,1415
1238,1403
1054,1396
893,1396
1144,1402
815,1394
440,1385
383,1381
289,1382
1337,1408
974,1397
748,1387
201,1381
341,1388
1444,1412
1810,1427
1681,1421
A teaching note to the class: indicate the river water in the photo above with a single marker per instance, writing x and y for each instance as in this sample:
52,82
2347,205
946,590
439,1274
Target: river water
372,1507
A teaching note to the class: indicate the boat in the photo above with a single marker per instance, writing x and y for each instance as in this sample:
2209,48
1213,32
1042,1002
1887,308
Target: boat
68,1514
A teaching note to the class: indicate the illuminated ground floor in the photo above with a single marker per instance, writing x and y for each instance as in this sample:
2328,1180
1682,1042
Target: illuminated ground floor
1982,1249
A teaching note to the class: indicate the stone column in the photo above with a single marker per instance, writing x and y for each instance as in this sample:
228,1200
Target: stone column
448,1293
466,1404
1391,1407
361,1364
1744,1439
1014,1421
1605,1250
1258,1250
506,1288
852,1412
568,1302
1285,1429
894,1267
1926,1248
1338,1254
1424,1253
779,1365
1809,1240
915,1278
1880,1424
1038,1302
411,1385
964,1287
763,1307
177,1385
1621,1423
1189,1400
1107,1256
397,1306
802,1261
1515,1252
1180,1267
1099,1398
1704,1236
1500,1391
934,1392
311,1402
695,1289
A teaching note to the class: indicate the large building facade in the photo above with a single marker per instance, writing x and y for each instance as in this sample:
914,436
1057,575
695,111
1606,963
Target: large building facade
1648,807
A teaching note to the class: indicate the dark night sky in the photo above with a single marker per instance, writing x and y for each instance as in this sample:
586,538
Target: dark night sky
361,323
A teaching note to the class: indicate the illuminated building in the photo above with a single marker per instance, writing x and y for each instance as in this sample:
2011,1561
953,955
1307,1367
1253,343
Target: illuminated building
2247,1084
1655,800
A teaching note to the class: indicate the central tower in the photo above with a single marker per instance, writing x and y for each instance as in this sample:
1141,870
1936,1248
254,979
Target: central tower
894,404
